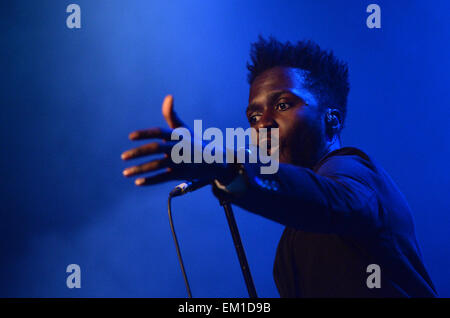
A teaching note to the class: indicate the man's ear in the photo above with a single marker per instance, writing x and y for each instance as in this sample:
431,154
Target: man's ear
333,122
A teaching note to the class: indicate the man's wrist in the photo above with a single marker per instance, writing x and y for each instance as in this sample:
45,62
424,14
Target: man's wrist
228,173
234,182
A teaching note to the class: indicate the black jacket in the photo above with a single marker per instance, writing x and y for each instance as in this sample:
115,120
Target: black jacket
340,217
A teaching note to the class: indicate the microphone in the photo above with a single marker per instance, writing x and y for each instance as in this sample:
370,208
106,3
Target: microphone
186,187
196,184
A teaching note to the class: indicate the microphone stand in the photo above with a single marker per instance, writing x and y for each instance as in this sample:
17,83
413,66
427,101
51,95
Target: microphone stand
239,248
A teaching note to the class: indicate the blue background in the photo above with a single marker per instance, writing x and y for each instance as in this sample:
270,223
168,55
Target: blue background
70,97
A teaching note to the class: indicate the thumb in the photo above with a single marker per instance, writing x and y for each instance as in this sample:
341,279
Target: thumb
169,114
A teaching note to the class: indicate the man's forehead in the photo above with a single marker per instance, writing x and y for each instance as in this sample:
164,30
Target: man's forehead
277,79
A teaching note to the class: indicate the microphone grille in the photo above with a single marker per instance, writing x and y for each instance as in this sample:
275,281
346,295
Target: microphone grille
182,186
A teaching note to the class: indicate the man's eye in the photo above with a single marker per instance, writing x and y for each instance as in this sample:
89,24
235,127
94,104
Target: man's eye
282,106
254,118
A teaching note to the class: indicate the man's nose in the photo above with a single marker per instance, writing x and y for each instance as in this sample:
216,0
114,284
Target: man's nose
267,121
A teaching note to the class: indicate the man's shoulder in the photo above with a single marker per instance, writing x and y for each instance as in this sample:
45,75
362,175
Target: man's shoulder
345,159
350,163
345,154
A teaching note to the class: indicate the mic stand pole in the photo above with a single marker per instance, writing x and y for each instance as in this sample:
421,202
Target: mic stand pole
239,249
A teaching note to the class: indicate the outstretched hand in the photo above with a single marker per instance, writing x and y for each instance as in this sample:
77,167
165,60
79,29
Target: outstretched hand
162,145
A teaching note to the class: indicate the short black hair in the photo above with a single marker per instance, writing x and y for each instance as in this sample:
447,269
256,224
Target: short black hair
326,75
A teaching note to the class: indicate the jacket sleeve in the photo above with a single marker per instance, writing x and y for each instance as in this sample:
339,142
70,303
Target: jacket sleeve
339,198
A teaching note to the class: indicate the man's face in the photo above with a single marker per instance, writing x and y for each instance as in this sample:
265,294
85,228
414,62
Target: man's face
279,99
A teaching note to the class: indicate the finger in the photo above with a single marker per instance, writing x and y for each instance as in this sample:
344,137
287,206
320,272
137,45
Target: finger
147,167
169,114
148,149
161,133
169,175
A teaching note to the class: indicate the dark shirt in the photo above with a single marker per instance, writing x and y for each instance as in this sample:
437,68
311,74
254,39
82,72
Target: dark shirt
341,216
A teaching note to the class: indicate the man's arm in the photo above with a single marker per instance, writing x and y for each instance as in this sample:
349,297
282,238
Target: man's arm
338,198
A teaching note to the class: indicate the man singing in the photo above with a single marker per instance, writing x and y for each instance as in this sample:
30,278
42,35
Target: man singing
342,212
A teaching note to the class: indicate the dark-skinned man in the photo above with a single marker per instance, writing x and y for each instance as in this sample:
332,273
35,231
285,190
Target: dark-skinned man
341,210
